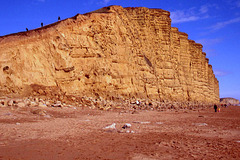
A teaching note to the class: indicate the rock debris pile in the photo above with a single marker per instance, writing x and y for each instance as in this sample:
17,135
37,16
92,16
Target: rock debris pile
38,103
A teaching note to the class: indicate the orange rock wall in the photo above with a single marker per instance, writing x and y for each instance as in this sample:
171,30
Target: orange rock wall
114,51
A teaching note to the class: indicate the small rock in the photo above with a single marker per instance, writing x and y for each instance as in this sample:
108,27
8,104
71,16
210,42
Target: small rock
33,104
48,103
137,102
200,124
135,112
145,122
21,104
18,123
120,131
56,105
42,105
112,126
107,108
118,107
10,102
47,116
36,99
40,91
126,125
129,131
2,103
58,102
39,112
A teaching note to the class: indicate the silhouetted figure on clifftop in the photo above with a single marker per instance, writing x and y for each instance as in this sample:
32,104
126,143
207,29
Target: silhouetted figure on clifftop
42,24
26,29
59,18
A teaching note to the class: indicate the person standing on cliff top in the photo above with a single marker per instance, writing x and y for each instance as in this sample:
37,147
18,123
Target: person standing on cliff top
215,107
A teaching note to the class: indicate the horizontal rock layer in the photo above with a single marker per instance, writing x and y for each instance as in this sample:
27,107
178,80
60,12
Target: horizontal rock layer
111,52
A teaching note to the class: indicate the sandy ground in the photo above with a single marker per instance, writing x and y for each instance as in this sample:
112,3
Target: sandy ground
80,133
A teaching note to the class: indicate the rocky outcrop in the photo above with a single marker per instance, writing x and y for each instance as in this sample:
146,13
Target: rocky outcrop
229,101
111,52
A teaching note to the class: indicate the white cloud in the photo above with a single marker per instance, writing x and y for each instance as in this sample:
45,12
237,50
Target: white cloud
204,9
192,14
223,24
182,16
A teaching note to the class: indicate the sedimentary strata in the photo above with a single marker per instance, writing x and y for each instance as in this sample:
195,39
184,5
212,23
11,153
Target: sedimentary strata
111,52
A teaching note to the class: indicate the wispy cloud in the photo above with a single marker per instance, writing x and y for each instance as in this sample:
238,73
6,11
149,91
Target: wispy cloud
209,42
221,73
204,9
223,24
192,14
181,16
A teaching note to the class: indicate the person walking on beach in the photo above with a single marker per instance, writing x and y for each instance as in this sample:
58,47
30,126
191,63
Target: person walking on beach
215,107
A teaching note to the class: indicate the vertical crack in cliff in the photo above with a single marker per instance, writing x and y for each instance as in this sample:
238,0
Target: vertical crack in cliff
148,61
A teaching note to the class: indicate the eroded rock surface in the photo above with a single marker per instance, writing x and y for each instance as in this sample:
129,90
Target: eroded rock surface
229,101
111,52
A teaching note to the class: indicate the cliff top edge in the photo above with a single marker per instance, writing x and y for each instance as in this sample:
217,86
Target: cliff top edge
108,9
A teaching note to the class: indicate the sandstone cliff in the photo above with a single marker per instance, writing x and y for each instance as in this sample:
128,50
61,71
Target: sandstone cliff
114,51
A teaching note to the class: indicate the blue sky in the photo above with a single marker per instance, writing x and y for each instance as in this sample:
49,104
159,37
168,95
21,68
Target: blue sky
213,23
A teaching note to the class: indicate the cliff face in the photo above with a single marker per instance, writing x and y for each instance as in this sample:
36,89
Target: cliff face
114,51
